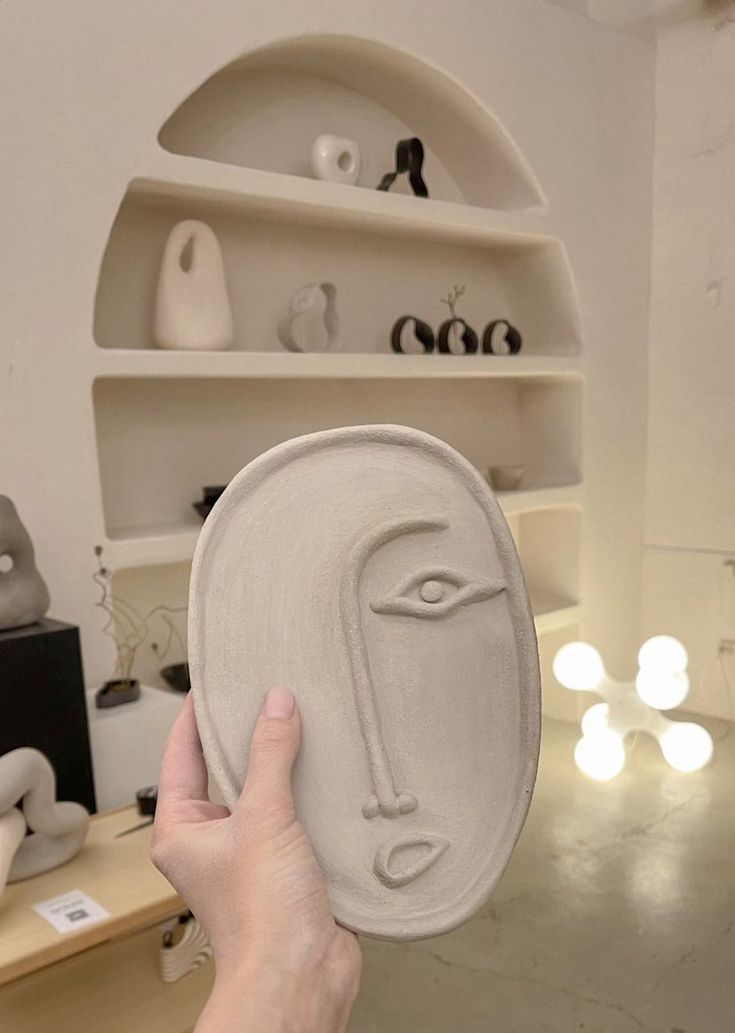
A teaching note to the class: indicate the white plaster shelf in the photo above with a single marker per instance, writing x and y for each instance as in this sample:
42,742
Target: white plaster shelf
168,422
552,613
383,94
388,254
172,177
130,548
150,546
527,500
151,362
159,544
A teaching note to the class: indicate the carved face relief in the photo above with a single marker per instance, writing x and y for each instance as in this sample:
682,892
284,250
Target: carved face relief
370,570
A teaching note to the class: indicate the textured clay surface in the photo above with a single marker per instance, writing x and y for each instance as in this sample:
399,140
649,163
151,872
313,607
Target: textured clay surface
371,570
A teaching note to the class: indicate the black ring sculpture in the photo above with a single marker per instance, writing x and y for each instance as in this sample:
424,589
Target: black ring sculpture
468,337
421,331
410,159
512,338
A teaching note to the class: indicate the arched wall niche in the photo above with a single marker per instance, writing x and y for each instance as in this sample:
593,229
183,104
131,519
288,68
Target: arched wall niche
264,110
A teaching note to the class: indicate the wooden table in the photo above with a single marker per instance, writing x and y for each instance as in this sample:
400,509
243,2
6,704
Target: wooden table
57,981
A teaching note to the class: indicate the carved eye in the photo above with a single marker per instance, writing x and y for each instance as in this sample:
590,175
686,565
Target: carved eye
436,592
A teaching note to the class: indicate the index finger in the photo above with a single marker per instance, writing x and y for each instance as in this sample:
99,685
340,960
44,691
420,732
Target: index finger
183,780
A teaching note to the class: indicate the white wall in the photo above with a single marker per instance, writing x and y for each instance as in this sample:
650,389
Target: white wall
84,88
633,16
690,512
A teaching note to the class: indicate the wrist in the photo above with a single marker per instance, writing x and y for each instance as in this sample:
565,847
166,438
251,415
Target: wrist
249,999
243,1000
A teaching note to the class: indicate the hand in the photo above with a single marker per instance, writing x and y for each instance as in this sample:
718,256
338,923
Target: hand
254,883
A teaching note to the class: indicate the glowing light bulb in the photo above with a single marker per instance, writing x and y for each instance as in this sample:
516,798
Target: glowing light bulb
600,755
662,689
663,652
578,666
686,746
595,719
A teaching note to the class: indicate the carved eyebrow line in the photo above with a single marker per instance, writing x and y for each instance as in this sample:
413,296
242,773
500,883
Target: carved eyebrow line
388,800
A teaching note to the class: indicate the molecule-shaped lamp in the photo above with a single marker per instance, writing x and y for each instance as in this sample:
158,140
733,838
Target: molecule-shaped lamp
661,684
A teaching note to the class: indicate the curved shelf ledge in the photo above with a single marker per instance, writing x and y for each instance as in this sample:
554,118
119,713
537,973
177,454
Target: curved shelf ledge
160,544
553,614
405,251
529,500
263,111
169,177
141,362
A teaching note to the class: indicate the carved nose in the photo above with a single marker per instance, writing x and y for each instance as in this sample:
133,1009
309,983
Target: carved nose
403,803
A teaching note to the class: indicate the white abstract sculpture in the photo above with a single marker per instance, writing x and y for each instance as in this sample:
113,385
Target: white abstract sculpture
661,684
24,597
335,159
177,960
57,829
192,307
370,569
306,301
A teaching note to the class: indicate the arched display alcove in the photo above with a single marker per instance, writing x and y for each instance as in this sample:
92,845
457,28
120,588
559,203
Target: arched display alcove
264,110
234,155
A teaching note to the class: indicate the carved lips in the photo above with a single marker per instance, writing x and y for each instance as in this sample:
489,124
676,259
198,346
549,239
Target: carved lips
402,860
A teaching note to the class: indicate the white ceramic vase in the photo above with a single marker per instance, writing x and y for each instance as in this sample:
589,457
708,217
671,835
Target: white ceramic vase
335,159
193,310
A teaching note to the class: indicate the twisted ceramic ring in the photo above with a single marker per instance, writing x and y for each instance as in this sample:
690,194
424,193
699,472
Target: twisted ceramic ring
468,337
512,338
421,331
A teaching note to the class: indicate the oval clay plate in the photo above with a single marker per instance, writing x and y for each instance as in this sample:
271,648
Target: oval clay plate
370,570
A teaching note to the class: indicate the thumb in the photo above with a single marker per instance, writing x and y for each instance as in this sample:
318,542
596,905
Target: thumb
267,794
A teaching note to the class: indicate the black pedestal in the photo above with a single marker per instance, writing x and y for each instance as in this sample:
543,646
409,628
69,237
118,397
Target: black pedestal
42,703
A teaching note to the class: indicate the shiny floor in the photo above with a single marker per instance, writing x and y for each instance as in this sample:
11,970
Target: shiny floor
615,915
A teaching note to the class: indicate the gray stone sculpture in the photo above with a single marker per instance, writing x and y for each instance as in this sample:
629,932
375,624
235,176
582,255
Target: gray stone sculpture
57,829
24,597
370,569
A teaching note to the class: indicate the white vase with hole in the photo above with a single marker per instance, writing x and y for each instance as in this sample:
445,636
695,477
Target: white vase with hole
335,159
192,310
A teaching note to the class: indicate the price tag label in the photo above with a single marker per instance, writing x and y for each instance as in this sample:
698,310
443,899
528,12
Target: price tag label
71,911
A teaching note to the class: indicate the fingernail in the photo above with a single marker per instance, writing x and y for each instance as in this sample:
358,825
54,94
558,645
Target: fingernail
279,703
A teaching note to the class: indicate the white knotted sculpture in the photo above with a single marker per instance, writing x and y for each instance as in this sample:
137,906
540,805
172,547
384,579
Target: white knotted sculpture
57,829
370,570
193,310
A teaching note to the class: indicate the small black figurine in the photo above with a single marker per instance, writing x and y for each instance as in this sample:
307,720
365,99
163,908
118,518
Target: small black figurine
209,497
410,159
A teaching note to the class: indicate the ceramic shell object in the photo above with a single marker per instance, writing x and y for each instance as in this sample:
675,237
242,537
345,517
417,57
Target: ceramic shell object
370,569
336,159
192,306
24,597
